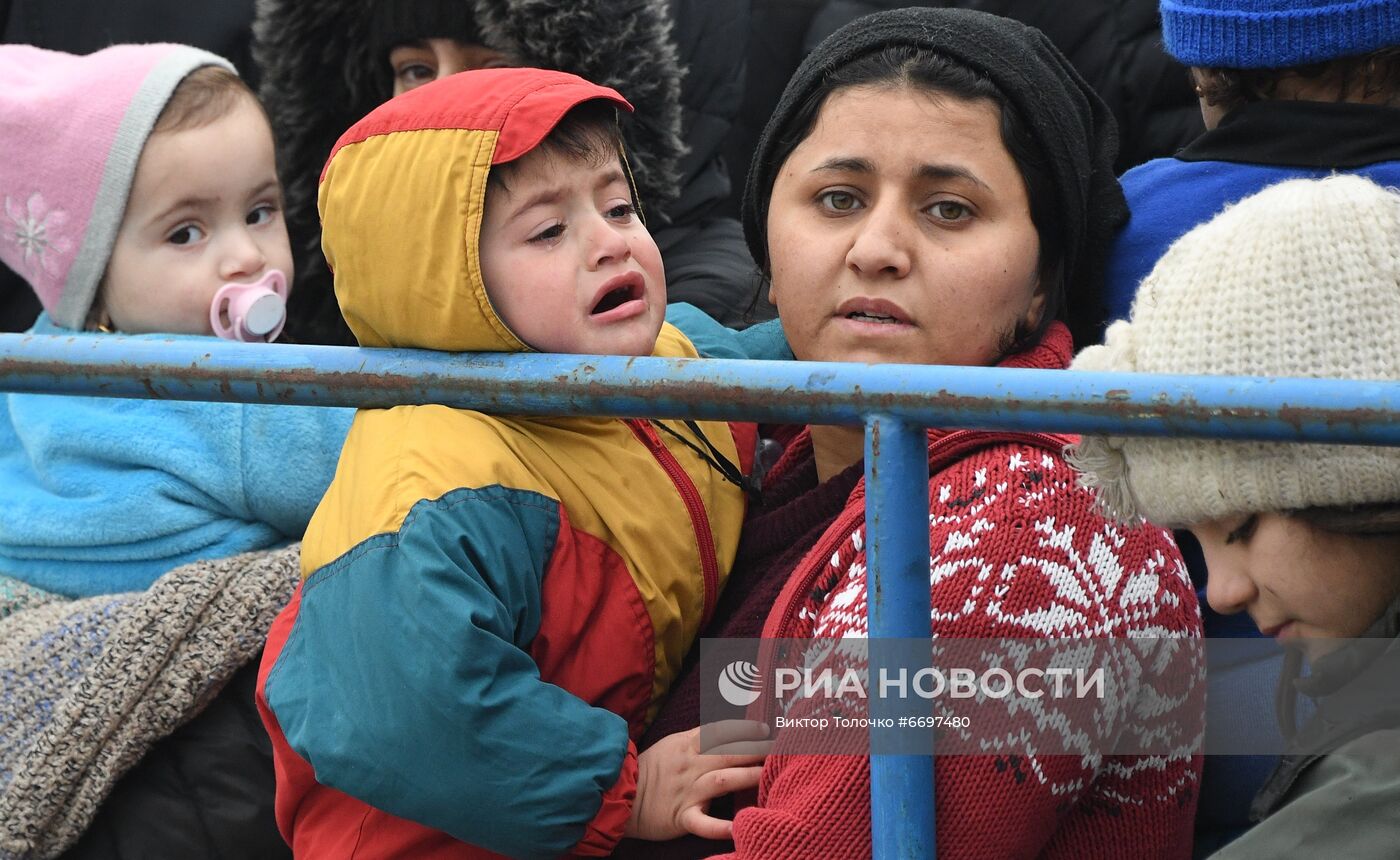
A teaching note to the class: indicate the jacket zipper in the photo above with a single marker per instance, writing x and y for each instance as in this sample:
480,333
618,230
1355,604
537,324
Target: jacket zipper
699,521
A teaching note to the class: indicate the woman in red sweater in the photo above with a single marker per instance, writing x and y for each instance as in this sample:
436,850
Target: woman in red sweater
935,187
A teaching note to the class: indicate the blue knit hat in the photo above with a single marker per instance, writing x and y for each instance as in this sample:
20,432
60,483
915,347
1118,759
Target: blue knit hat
1271,34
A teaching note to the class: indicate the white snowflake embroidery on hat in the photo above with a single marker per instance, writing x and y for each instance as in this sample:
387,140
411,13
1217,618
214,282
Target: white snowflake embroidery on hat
37,232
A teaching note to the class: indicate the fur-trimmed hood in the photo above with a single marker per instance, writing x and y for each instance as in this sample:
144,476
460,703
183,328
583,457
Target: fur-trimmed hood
320,75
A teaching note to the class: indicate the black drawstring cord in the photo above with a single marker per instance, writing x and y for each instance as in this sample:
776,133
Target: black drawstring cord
715,458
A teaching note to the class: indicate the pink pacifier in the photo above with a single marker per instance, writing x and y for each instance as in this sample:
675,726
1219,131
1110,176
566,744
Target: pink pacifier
252,313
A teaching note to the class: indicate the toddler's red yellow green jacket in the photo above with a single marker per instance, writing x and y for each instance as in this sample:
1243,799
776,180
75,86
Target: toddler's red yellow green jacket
492,606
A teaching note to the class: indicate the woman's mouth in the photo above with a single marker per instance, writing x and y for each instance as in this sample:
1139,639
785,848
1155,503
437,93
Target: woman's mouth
875,318
873,312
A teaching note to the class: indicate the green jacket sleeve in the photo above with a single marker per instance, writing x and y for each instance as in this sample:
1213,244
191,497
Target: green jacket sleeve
406,683
1346,804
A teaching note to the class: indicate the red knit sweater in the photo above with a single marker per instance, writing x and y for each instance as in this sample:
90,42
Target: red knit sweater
1016,552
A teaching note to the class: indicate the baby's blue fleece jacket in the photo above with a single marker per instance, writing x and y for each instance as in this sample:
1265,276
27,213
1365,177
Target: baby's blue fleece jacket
103,495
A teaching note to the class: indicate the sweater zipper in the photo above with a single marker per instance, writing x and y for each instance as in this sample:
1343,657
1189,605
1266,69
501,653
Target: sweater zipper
699,521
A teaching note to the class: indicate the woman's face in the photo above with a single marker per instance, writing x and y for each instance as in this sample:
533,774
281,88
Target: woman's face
1297,581
899,231
417,63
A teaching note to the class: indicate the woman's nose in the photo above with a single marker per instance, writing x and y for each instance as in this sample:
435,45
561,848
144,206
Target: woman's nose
242,256
1229,588
879,247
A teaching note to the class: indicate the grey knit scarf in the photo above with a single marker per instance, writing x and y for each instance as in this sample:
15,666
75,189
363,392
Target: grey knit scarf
88,686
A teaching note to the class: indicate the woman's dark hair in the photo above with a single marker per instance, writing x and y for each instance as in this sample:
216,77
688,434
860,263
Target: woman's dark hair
1365,76
1376,519
940,75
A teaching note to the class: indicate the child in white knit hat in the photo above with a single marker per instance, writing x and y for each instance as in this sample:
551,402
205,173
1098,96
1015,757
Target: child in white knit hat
140,196
1300,280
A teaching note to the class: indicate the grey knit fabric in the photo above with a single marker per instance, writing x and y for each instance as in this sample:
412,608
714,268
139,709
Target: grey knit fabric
88,686
16,596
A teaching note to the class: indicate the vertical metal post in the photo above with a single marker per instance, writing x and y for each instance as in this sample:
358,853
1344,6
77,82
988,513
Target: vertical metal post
897,554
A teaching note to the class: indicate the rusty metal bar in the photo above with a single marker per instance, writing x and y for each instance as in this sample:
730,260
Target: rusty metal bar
898,401
978,397
898,607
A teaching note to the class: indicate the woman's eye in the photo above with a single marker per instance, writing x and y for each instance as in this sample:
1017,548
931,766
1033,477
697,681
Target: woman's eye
1243,531
548,234
838,201
261,215
415,74
948,210
187,234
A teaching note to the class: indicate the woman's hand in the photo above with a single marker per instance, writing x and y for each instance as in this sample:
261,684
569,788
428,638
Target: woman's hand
676,780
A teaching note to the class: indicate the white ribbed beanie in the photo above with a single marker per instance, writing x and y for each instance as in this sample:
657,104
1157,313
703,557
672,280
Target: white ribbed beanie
1299,280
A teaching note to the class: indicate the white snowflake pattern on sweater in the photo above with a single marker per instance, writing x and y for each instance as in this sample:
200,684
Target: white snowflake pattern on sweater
1016,552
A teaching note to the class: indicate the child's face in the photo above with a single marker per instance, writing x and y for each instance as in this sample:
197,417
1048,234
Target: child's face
205,210
567,263
424,61
1298,582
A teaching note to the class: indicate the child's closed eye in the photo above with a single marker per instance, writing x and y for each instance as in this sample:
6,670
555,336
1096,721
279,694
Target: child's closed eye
548,234
622,211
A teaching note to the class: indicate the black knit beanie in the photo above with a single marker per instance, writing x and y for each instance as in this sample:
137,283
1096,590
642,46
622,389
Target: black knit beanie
398,21
1072,126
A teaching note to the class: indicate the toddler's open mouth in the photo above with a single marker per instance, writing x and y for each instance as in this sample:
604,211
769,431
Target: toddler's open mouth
617,292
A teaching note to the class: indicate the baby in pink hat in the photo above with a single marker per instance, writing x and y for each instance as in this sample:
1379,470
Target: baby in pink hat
141,193
140,196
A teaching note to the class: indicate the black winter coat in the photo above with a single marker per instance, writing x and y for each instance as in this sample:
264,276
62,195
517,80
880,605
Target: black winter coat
205,791
1115,44
679,63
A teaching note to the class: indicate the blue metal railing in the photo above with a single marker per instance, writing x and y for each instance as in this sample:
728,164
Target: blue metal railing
894,403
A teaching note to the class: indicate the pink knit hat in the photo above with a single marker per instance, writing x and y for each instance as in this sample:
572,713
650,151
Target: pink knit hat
72,129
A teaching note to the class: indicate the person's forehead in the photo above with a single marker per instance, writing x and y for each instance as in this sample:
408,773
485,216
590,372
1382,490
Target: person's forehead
544,176
446,44
849,114
228,157
909,134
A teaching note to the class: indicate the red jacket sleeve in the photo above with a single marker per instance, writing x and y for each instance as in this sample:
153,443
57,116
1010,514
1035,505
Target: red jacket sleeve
606,828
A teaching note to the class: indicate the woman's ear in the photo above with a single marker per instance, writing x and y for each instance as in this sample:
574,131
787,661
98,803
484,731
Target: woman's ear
1047,296
769,287
1035,311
